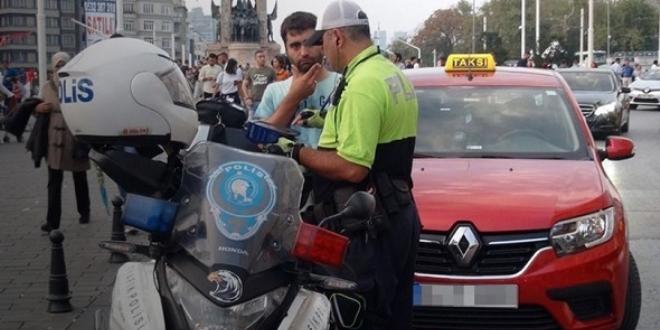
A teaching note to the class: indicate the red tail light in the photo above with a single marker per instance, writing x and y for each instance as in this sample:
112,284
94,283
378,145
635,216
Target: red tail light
320,245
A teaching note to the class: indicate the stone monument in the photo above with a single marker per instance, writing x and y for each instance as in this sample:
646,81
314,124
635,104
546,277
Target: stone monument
244,26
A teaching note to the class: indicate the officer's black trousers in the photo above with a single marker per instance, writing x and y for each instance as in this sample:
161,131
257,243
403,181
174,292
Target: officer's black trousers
388,262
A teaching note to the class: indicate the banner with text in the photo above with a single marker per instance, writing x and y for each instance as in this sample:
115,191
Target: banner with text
100,19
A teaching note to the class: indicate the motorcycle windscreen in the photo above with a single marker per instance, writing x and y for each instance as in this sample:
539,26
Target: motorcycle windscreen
238,208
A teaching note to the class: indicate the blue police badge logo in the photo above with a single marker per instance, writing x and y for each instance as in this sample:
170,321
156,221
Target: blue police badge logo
241,196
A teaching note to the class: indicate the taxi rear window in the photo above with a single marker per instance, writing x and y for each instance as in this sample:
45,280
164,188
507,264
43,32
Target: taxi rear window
497,122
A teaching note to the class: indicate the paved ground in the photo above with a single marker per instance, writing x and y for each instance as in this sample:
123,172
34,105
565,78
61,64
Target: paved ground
25,250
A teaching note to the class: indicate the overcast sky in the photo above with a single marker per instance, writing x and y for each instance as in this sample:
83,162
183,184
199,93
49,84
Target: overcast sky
392,15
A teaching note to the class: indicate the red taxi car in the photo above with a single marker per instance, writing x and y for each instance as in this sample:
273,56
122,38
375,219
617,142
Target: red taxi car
522,228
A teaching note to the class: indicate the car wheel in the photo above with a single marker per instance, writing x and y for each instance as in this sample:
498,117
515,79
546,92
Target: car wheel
633,106
633,297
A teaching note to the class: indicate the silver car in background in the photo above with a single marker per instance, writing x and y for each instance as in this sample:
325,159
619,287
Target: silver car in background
646,90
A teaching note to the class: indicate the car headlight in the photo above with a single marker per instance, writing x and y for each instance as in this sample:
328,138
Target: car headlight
203,314
605,109
578,234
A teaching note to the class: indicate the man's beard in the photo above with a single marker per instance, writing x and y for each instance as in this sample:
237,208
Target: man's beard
305,64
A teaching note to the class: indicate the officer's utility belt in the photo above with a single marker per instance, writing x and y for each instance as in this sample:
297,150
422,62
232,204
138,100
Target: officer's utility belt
392,195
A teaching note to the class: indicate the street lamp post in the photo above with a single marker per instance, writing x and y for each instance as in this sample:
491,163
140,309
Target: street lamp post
41,42
435,57
523,10
609,35
484,34
590,37
173,46
119,11
659,34
474,38
581,36
538,24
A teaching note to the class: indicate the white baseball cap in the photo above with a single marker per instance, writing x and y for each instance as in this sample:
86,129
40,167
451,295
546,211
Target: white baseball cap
338,14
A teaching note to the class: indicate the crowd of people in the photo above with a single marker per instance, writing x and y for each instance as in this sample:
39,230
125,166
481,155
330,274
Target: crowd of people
219,76
223,76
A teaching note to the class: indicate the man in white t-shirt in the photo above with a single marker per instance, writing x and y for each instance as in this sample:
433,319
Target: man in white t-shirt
208,74
310,87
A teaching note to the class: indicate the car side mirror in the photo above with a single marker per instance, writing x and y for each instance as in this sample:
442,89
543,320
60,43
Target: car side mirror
360,205
625,90
617,148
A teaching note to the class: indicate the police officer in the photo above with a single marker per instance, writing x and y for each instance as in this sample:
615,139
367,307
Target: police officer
367,143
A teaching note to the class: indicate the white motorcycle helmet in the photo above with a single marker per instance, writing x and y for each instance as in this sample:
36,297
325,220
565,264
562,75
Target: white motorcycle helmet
127,91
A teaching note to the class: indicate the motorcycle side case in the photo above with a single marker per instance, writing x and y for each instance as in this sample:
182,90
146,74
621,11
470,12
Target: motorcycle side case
310,311
136,303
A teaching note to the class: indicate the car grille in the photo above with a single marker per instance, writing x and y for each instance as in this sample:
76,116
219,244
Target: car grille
498,254
641,100
587,109
452,318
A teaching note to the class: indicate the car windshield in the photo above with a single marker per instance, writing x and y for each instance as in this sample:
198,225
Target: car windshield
497,122
652,75
589,81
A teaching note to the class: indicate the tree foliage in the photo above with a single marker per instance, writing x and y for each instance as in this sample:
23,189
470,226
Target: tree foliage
633,26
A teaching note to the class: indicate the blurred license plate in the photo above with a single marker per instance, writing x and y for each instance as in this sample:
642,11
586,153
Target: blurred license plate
645,96
493,296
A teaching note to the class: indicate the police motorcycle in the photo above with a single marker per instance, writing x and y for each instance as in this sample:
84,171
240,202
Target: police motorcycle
217,113
228,245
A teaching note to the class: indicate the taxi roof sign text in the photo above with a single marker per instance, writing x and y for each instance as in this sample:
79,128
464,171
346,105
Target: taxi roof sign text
470,63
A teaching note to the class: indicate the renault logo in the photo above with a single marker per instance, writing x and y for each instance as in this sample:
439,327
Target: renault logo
463,245
647,90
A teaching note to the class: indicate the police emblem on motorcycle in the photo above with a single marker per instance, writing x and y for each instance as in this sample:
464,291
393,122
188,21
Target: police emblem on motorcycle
241,195
228,286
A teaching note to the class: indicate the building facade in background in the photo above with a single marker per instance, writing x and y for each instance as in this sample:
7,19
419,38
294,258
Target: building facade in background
205,25
380,38
18,20
168,19
198,45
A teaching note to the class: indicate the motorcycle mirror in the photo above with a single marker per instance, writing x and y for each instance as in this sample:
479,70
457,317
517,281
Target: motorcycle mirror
361,205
